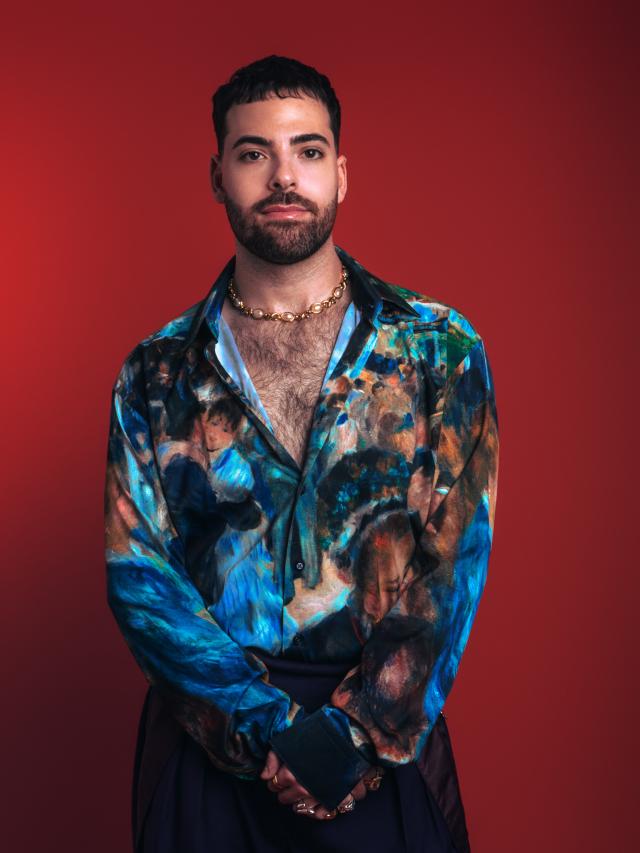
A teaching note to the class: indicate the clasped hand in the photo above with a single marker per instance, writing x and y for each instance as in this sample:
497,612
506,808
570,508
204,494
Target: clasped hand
290,791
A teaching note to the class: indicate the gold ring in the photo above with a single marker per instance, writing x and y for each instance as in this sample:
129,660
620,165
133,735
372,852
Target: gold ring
348,807
373,783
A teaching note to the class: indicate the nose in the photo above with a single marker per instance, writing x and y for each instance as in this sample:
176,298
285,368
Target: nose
283,176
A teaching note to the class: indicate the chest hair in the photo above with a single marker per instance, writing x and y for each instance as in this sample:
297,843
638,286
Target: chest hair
287,363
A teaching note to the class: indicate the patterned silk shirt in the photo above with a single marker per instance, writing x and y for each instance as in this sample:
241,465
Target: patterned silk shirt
374,553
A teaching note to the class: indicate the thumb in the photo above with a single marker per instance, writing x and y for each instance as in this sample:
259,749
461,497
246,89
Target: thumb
271,766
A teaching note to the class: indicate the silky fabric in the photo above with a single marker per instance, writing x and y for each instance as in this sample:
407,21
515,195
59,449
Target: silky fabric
197,808
375,544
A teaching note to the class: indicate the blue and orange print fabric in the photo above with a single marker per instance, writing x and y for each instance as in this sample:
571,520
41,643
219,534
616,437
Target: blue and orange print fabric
374,553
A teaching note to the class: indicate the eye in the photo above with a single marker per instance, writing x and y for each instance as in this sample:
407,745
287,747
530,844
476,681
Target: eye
317,151
246,153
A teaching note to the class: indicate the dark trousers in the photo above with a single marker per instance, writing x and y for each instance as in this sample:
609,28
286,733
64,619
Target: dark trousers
196,808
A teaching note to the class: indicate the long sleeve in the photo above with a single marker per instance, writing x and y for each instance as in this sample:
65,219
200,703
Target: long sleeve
384,709
217,690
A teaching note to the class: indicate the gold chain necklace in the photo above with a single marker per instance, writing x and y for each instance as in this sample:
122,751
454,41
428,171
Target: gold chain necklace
288,316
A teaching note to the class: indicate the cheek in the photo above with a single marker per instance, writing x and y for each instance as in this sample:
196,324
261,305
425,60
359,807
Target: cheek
247,185
245,192
322,185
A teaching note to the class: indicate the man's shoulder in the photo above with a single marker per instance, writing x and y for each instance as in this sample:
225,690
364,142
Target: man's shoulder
175,330
435,314
159,344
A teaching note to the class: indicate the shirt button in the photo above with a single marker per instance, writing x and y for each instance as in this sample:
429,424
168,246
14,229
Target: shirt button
299,565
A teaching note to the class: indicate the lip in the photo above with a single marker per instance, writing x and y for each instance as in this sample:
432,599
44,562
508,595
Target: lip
280,211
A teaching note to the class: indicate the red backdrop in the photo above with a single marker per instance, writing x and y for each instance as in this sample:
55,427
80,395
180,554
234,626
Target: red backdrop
492,164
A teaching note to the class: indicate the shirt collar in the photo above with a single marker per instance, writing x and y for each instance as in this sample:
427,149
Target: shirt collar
369,293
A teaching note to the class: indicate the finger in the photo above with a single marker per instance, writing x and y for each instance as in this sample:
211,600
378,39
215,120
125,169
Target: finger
322,813
271,765
359,792
372,778
285,779
347,805
292,793
305,806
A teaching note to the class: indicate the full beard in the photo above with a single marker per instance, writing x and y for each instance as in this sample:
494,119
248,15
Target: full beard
282,242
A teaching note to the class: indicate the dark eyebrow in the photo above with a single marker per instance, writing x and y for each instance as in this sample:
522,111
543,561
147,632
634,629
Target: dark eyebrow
294,140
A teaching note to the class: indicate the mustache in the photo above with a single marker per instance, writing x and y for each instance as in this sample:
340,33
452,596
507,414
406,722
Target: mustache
286,198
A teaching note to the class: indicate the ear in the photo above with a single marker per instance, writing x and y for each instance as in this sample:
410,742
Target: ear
342,177
215,174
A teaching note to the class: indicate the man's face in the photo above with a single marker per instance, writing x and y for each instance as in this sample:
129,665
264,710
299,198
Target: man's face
264,164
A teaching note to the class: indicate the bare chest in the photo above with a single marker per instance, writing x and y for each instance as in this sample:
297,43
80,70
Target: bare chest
287,367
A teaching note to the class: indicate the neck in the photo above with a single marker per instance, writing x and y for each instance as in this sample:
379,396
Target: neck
286,287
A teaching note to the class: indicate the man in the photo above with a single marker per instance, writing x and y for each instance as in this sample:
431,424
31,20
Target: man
300,497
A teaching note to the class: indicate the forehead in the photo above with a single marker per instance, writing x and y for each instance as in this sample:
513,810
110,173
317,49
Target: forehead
278,116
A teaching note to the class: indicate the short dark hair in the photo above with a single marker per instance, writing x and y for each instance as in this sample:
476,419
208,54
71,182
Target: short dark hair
277,75
224,407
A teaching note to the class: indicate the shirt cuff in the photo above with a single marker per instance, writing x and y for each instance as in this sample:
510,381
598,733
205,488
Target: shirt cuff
320,757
